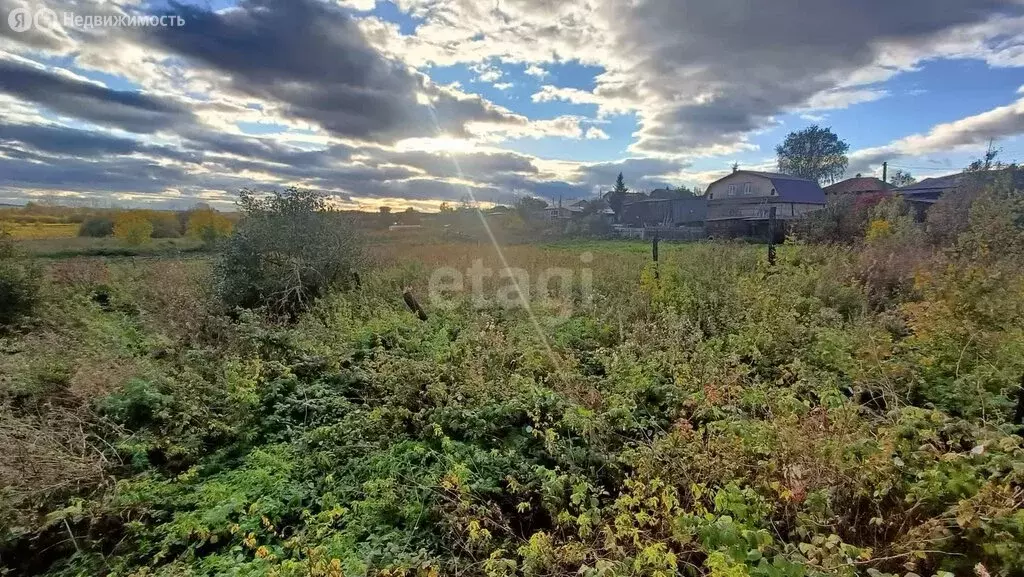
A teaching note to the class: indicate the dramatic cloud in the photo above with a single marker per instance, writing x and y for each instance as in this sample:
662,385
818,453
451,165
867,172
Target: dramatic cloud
704,75
324,94
976,130
711,72
77,97
314,59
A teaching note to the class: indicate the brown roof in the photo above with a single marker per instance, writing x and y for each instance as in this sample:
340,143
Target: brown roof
857,185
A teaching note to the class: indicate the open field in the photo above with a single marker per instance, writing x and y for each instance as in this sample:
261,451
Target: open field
22,231
86,246
843,411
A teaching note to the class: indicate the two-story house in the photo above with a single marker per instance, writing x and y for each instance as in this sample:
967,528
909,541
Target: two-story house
739,204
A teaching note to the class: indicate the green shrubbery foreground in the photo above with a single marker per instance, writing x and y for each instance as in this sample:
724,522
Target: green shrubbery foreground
847,412
19,285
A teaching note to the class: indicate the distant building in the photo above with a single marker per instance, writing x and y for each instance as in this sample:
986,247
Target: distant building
739,204
557,213
499,209
857,186
927,192
664,212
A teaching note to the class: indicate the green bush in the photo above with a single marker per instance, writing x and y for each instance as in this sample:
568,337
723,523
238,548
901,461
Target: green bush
721,417
165,225
19,285
288,250
97,226
843,220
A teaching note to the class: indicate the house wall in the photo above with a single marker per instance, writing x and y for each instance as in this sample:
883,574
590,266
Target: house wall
758,209
740,185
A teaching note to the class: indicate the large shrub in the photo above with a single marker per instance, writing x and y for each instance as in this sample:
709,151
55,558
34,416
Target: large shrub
19,284
132,228
208,225
165,224
97,226
843,220
289,248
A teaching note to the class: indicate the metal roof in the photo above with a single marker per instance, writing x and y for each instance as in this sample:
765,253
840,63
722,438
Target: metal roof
857,184
789,188
798,190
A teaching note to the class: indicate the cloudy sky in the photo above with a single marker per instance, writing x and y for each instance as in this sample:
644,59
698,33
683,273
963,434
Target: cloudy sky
415,102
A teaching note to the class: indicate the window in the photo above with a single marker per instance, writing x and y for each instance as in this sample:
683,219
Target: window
773,193
746,189
732,190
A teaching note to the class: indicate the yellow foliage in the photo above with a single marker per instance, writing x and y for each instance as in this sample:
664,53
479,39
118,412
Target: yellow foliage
24,231
132,227
208,225
879,228
165,223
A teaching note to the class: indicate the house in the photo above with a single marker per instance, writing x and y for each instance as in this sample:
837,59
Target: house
665,212
690,211
646,212
499,209
857,186
739,204
593,206
557,213
921,195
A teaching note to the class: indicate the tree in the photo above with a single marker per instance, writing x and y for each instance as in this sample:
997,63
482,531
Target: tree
901,178
208,225
288,250
813,153
385,210
132,227
620,185
988,162
165,224
617,197
96,226
529,206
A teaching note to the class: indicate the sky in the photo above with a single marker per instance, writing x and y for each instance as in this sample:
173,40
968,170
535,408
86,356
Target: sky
418,102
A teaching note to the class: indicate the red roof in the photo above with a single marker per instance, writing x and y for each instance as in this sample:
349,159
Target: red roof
858,185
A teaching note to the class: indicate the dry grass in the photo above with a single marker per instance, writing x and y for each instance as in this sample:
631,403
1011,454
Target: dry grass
52,453
39,230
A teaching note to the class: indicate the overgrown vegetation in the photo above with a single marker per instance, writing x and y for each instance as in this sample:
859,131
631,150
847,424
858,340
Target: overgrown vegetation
289,249
853,410
19,284
97,227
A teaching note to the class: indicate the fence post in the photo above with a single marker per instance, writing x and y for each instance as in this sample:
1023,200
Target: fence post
410,301
1018,417
771,236
654,253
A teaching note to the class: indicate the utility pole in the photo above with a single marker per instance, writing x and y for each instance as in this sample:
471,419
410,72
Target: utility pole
885,171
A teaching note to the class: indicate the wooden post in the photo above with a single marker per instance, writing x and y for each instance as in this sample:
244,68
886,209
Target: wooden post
771,236
654,252
1018,417
410,301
